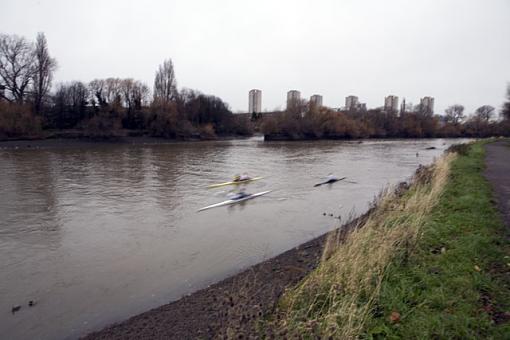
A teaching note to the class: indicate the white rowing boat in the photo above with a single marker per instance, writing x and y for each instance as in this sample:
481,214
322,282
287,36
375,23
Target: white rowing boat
234,201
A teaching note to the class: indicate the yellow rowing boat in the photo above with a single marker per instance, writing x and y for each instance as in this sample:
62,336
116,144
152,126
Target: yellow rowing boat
234,182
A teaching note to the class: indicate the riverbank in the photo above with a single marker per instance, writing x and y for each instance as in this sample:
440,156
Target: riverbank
279,137
63,142
431,264
232,307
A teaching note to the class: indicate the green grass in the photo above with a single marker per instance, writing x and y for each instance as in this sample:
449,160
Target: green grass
456,282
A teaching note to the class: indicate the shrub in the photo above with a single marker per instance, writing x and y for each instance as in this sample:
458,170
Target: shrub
18,121
207,131
104,124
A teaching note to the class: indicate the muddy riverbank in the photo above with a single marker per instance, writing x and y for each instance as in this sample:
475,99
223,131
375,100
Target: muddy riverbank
230,307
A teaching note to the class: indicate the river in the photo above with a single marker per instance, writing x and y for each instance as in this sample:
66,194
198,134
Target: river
97,233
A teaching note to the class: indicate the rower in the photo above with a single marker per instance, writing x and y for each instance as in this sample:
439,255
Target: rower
244,177
241,178
331,178
239,195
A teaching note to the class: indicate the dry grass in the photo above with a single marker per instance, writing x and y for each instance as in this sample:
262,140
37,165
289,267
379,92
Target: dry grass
337,298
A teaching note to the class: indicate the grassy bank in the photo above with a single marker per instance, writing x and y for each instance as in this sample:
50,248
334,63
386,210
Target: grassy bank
429,263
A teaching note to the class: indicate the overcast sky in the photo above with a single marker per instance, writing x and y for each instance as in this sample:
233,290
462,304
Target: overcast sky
455,51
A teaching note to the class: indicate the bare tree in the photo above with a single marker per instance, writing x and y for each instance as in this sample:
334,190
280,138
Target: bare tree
44,66
485,112
97,91
113,91
454,114
78,94
126,88
16,66
74,94
70,104
139,94
297,108
423,110
165,84
129,93
134,93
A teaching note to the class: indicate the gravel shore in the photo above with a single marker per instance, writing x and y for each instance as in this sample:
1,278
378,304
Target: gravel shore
230,307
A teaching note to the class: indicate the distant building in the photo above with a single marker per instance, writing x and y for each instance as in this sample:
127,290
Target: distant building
316,100
402,108
406,107
427,104
293,98
351,103
391,103
255,101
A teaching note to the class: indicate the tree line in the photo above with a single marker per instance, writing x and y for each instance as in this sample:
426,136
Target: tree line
306,121
30,107
102,107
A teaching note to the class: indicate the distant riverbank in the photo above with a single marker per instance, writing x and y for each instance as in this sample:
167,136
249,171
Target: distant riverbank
276,137
72,139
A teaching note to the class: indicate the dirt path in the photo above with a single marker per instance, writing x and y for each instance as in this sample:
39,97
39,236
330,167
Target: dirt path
498,173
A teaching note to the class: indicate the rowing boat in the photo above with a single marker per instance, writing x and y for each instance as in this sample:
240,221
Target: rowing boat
234,201
234,182
330,181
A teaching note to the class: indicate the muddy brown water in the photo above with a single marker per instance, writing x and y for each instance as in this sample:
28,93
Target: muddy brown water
97,233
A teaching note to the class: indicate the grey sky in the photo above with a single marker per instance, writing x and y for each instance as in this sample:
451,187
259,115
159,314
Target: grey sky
455,51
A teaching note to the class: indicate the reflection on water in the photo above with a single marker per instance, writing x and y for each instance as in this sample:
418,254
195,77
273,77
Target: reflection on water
97,234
